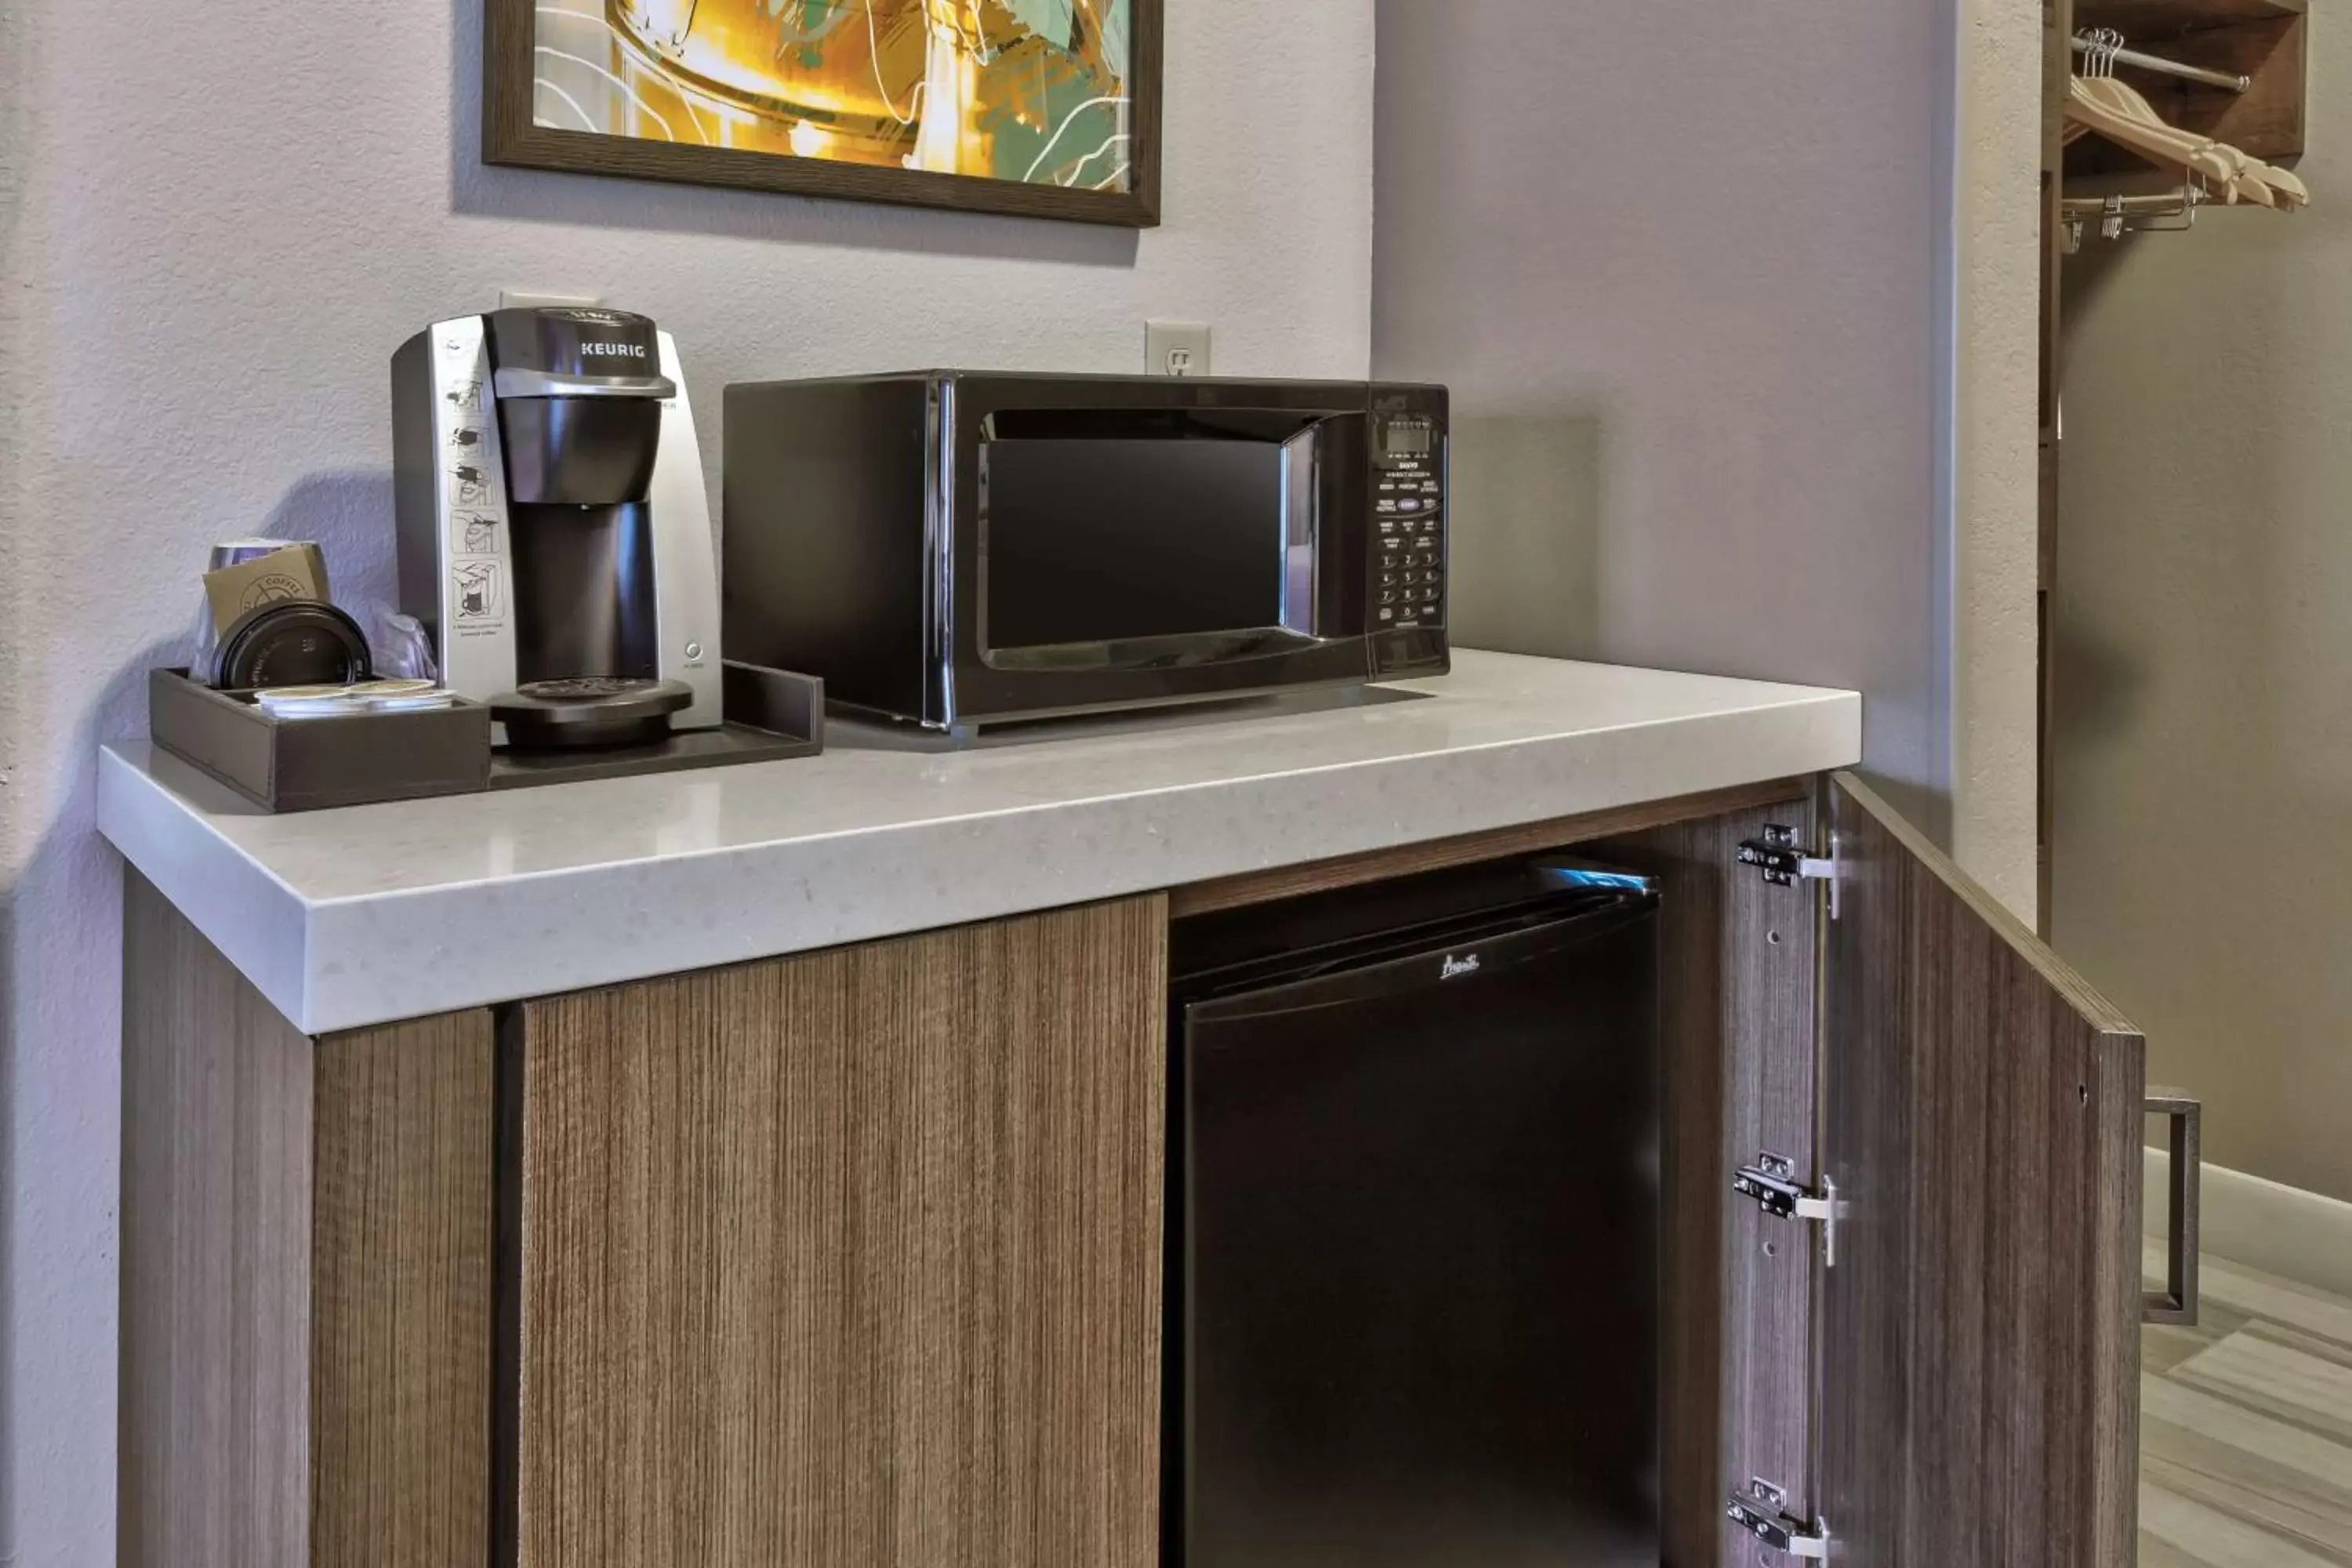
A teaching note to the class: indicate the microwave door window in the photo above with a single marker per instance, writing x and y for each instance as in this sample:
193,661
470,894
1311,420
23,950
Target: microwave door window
1101,541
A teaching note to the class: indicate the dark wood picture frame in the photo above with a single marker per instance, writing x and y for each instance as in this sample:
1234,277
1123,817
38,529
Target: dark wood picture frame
510,135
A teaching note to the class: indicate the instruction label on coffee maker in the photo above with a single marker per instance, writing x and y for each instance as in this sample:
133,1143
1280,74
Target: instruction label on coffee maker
480,587
473,489
473,534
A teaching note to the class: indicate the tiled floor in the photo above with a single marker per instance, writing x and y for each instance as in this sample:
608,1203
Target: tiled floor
2246,1428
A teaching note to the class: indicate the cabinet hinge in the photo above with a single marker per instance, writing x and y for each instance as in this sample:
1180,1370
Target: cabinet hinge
1763,1513
1784,862
1772,1182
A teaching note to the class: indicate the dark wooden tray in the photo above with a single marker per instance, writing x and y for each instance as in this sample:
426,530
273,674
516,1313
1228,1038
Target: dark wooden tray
363,759
307,764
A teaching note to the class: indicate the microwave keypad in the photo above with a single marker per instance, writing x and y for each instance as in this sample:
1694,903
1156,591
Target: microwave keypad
1409,565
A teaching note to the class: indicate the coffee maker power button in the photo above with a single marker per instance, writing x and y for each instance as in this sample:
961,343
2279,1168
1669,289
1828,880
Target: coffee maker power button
694,650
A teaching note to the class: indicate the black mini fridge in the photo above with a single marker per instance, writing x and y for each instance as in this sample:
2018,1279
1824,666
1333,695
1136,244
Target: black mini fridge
1413,1260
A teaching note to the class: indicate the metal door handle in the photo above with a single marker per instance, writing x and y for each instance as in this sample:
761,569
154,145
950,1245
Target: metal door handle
2177,1302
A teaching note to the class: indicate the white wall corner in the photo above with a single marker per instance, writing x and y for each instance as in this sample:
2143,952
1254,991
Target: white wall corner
1996,438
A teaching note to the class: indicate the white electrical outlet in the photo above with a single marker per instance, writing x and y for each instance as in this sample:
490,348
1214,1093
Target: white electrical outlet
529,299
1176,348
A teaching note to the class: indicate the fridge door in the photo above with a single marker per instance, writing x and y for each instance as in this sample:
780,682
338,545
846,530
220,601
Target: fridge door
1982,1325
1418,1259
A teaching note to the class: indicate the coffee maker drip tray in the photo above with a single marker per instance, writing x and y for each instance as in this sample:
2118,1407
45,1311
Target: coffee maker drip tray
588,710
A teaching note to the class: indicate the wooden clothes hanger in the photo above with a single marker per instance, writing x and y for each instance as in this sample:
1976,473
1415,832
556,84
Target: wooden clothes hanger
2135,124
2292,192
2157,143
2252,180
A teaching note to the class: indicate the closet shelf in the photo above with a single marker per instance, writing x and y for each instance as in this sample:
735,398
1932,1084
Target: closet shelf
2161,19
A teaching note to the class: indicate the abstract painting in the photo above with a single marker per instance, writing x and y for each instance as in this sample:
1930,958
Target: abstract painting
1043,107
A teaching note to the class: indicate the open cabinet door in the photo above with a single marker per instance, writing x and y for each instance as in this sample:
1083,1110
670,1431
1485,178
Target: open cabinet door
1980,1334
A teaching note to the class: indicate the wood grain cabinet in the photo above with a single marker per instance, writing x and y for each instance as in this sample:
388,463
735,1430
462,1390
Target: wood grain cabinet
847,1258
307,1288
852,1260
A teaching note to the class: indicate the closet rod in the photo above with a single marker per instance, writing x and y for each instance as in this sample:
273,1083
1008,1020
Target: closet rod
2167,203
2168,68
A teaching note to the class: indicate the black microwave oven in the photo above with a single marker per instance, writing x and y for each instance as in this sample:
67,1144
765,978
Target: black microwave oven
960,549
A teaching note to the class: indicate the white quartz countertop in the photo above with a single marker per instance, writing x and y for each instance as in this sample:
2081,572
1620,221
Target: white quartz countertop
367,914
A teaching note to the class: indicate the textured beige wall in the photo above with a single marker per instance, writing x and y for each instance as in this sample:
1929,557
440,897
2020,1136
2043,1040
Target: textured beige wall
1996,447
2204,748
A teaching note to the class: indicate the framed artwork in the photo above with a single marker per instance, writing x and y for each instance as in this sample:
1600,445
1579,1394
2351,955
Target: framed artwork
1046,108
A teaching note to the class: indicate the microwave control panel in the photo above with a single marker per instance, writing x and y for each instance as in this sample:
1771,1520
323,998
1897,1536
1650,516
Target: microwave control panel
1408,555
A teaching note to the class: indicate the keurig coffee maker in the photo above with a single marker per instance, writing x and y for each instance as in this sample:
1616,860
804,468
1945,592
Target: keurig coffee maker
555,534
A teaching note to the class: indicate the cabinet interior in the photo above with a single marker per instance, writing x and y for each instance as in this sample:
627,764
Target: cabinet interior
1738,976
